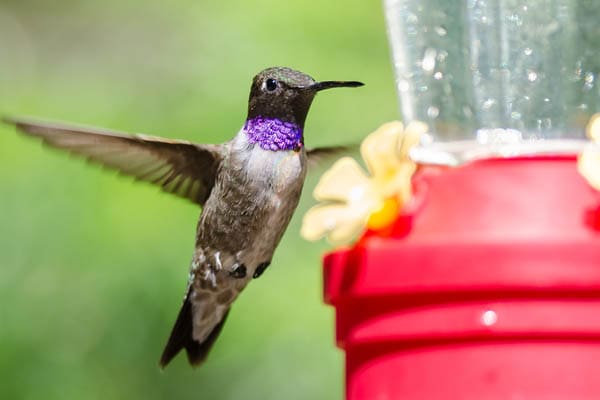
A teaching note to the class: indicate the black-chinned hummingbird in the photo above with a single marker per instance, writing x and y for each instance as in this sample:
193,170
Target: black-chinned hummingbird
248,188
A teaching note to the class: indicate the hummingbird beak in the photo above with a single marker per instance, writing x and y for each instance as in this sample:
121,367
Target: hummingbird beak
333,84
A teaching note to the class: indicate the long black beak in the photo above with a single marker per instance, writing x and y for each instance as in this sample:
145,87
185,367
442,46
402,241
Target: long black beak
333,84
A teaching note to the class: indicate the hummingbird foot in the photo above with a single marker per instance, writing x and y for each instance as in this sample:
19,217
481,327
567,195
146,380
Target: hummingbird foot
260,269
238,271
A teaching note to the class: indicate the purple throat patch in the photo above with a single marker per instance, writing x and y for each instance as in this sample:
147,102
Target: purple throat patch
273,134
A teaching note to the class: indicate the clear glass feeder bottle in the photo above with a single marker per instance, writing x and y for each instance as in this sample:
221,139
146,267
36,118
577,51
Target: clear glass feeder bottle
496,78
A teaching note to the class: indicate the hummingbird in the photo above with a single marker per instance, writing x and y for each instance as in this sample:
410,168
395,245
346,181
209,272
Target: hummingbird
248,188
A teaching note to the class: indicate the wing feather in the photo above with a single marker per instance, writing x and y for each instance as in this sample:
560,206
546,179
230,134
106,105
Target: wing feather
320,155
180,167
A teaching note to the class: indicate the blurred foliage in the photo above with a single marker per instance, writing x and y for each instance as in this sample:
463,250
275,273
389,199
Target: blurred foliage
93,267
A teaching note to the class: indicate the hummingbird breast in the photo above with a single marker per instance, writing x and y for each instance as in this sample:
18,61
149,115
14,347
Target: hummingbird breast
254,197
255,194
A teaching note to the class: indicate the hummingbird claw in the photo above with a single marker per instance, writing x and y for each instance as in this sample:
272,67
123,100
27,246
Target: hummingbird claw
238,271
260,269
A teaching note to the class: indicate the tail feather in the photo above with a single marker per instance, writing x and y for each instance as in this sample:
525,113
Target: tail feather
182,337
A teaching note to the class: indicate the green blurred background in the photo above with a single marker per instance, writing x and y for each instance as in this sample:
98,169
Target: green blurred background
92,266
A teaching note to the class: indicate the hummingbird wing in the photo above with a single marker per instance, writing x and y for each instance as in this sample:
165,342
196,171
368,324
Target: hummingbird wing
319,155
183,168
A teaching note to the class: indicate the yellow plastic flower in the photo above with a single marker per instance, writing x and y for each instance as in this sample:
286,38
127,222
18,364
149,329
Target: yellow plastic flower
352,200
589,160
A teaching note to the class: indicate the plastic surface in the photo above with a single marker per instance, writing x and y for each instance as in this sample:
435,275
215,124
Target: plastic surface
488,289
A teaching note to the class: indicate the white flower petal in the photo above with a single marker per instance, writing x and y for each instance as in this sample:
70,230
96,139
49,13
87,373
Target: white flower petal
399,184
592,129
341,181
323,220
347,232
379,149
356,195
588,165
410,138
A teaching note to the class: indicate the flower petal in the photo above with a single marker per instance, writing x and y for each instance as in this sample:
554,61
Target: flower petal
399,185
353,199
410,138
592,129
588,165
338,221
341,181
379,148
347,232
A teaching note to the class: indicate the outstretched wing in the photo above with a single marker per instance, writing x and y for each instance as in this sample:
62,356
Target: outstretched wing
185,169
319,155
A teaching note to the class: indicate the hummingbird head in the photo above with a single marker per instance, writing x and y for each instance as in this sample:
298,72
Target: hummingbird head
281,97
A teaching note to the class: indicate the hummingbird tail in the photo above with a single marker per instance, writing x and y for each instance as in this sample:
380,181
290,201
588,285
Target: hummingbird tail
182,337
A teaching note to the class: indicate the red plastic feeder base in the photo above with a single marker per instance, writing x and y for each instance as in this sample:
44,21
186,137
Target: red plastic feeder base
492,292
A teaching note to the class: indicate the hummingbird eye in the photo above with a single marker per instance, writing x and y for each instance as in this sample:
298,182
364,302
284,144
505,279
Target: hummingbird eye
271,84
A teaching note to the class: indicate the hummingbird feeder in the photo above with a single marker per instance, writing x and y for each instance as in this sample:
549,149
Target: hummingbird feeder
485,281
